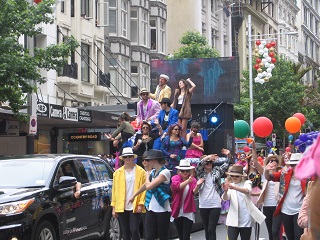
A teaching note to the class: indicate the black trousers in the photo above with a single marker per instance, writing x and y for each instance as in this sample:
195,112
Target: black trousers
273,223
184,227
129,223
233,233
210,217
293,231
157,225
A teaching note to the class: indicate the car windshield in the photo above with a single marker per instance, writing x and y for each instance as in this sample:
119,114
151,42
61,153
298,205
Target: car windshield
18,173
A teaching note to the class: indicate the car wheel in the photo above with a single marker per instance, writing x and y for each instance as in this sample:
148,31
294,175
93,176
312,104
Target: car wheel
45,231
113,231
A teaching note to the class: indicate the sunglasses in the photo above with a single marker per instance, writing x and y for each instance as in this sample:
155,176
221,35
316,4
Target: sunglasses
145,127
233,176
176,129
185,171
144,94
147,160
208,162
274,160
129,156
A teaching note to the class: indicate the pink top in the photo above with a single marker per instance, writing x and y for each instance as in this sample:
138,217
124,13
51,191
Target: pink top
177,193
303,214
195,153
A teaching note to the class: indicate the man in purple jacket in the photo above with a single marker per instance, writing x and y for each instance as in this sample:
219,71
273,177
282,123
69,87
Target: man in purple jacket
147,109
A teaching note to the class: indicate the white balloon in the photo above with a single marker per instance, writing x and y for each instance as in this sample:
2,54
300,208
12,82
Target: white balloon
269,75
265,55
261,81
271,65
269,70
257,79
264,60
269,59
267,64
261,52
264,42
259,75
266,50
261,47
264,73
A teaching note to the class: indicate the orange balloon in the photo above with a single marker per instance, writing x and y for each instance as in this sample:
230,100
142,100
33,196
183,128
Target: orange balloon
293,125
249,140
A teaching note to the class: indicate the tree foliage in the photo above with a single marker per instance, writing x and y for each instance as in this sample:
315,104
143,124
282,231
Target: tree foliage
195,46
19,18
277,99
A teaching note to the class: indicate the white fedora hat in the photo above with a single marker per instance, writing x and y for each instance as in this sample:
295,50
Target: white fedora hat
184,164
127,151
295,158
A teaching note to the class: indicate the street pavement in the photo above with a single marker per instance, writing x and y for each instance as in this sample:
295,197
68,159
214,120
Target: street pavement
222,233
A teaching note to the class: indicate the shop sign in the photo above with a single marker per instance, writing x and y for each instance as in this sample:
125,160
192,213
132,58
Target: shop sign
70,114
11,128
84,116
82,137
56,111
42,109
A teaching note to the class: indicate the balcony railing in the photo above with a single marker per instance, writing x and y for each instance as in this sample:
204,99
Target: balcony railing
103,79
69,70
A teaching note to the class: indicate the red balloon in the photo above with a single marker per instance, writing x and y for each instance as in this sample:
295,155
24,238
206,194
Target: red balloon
258,42
262,127
256,66
268,45
271,54
273,60
301,117
273,44
288,149
292,125
258,60
246,149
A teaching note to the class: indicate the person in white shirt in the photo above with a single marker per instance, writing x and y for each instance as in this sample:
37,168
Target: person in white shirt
242,209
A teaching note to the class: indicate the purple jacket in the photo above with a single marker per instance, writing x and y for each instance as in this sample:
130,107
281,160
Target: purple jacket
153,109
189,204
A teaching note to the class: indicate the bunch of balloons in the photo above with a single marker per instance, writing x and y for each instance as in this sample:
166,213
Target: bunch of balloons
305,139
265,60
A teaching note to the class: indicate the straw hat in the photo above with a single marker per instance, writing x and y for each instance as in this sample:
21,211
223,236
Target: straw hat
164,76
236,170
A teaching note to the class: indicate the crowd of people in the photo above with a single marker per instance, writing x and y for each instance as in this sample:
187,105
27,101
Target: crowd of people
157,178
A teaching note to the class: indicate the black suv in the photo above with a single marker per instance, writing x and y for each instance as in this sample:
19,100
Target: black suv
38,201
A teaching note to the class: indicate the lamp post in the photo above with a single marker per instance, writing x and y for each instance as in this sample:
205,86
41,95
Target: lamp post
250,66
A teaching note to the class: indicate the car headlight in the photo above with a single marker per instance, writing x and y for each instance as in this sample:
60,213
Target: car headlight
15,207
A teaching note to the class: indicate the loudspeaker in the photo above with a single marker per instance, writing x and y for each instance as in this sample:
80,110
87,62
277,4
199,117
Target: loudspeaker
221,138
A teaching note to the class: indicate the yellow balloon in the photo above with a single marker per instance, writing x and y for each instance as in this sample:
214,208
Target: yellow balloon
259,70
266,79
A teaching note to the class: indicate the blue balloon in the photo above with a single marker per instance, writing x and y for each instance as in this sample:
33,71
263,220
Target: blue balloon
297,142
302,148
309,136
303,137
290,137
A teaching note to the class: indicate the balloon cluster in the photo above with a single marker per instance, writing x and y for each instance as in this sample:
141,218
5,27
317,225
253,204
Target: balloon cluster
265,60
305,139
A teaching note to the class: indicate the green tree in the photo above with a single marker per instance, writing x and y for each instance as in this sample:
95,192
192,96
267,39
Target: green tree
195,46
19,18
277,99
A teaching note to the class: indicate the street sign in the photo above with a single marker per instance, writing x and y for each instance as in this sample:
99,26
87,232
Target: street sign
33,125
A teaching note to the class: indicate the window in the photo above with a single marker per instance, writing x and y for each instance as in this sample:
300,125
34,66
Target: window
72,8
214,35
163,37
305,15
124,79
144,29
62,3
85,62
311,23
86,8
102,171
153,32
134,26
124,18
112,16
